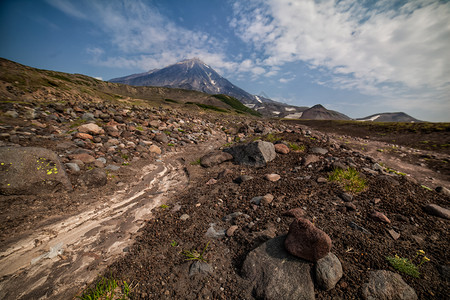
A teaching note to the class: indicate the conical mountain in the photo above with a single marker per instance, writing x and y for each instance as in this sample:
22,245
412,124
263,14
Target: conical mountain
318,112
190,74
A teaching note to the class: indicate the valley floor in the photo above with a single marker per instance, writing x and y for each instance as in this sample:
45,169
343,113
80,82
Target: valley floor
137,227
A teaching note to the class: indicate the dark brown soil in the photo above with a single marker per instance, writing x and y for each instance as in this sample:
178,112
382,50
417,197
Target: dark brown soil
157,269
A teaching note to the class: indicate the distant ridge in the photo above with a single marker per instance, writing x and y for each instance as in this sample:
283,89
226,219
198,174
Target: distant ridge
390,117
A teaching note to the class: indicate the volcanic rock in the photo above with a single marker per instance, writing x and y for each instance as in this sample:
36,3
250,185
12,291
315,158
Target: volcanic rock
31,170
328,271
281,148
306,241
275,274
215,158
387,285
436,210
91,128
256,154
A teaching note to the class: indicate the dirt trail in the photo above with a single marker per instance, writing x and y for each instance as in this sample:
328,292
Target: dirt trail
58,260
403,159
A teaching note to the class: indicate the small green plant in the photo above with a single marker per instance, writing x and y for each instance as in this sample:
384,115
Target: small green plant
425,187
407,266
108,289
140,128
164,206
196,162
125,163
194,255
125,156
350,179
296,147
271,138
180,130
173,244
170,144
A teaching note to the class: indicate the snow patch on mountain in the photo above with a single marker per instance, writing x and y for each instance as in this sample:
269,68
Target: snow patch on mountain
294,116
371,119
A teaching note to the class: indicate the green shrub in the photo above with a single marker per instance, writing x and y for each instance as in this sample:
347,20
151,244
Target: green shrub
350,179
236,104
107,288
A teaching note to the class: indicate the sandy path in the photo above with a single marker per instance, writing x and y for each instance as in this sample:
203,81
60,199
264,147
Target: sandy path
422,174
57,261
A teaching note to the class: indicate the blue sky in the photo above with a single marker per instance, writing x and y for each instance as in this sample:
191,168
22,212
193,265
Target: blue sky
356,57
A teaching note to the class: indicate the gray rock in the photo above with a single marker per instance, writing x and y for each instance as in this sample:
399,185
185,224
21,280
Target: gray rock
443,190
184,217
11,114
276,274
94,178
347,197
318,150
200,267
387,285
213,233
255,154
377,167
73,167
214,158
243,178
328,271
112,167
162,138
102,159
31,170
436,210
88,117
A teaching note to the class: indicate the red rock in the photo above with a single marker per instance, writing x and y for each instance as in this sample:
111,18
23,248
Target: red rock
282,148
91,128
84,157
306,241
311,158
267,199
84,136
295,212
231,230
380,217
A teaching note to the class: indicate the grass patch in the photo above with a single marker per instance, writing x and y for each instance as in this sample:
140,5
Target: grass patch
196,162
350,180
236,104
194,255
209,107
271,138
107,288
296,147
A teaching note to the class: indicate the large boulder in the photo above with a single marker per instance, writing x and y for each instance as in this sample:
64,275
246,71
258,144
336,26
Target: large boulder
387,285
214,158
275,274
306,241
255,154
31,170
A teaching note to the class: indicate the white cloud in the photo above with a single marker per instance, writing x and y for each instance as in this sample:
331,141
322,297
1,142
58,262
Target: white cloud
375,49
67,7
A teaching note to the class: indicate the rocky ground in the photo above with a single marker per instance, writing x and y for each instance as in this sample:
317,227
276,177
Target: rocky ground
138,172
